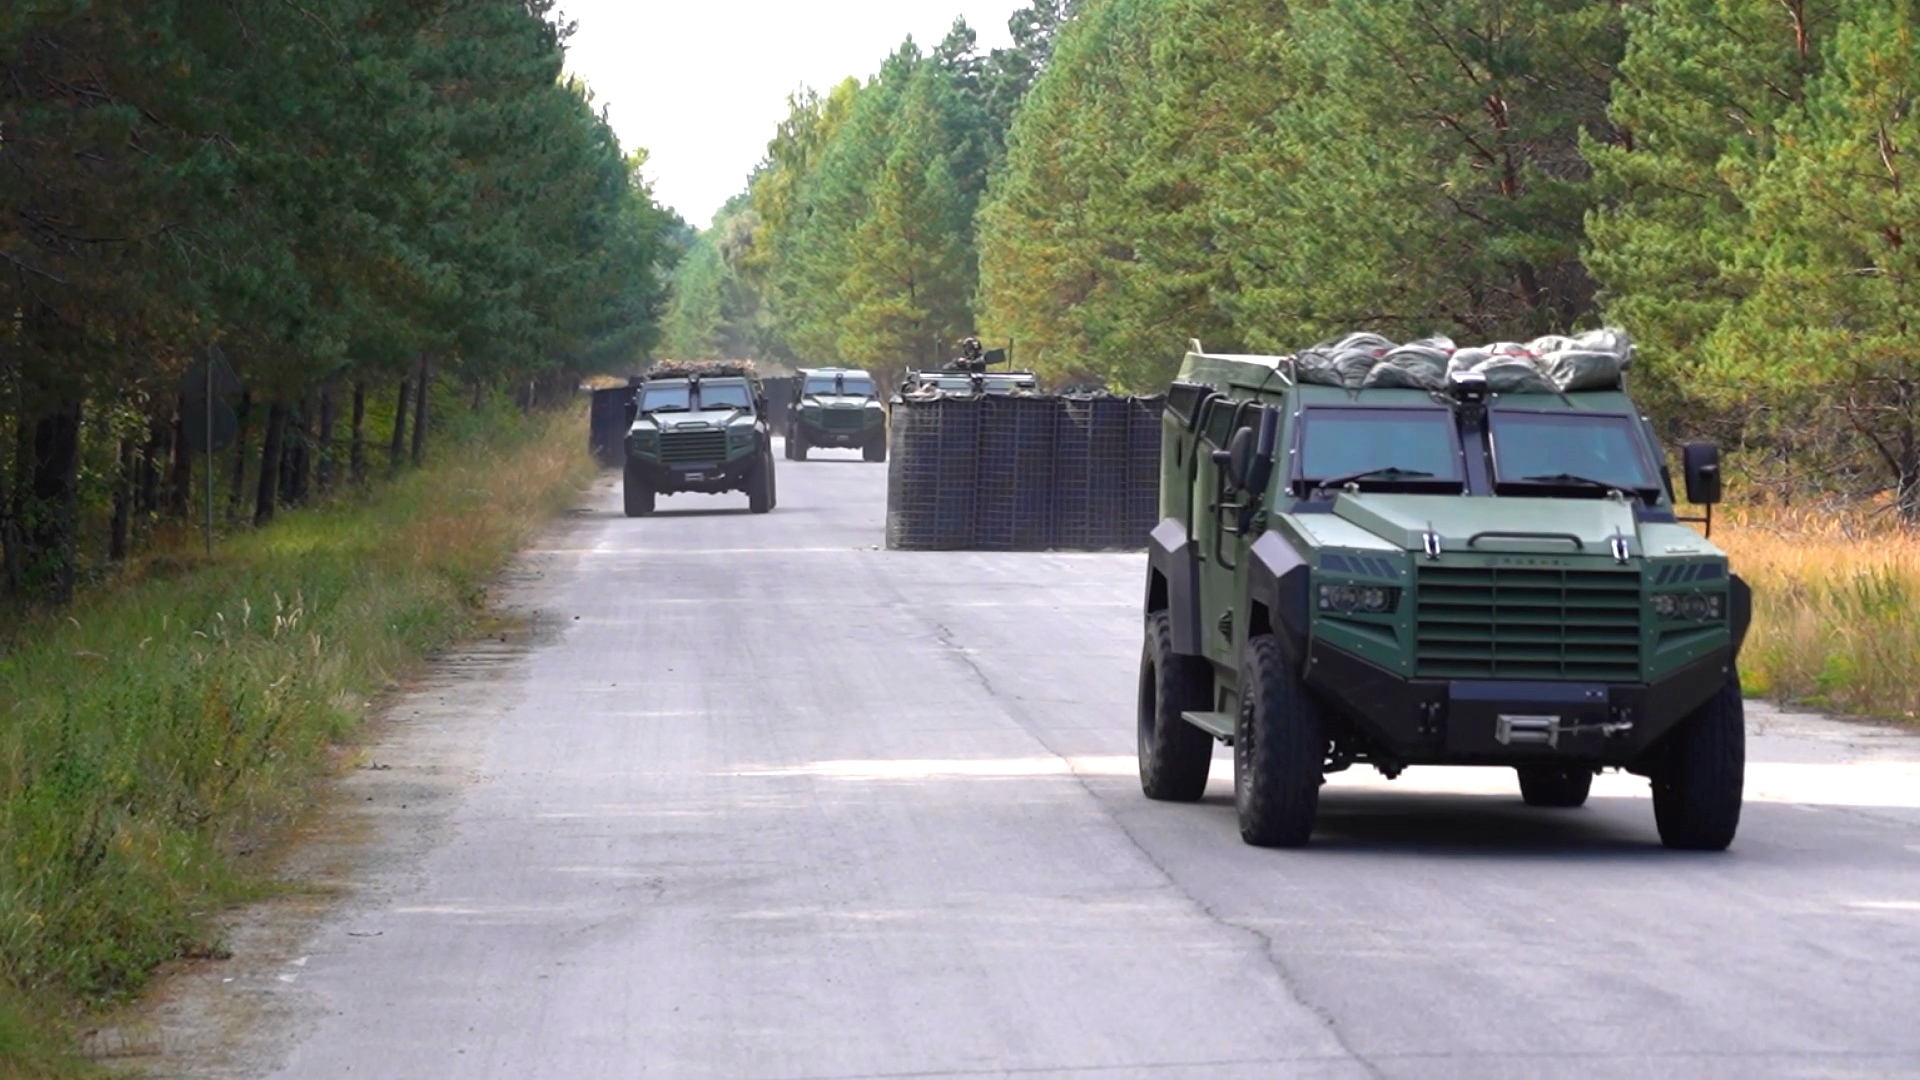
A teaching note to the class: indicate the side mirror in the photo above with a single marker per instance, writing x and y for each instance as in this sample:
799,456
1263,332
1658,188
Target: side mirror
1701,462
1239,458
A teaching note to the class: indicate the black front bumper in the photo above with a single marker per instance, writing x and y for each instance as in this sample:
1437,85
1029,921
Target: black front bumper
710,478
1433,722
842,438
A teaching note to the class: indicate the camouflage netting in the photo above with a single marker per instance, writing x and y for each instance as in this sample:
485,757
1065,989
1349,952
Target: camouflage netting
1548,365
712,369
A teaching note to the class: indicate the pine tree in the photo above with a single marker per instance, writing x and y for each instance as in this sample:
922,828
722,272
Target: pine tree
1831,257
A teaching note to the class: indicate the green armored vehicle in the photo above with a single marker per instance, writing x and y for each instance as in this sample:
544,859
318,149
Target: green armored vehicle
1434,572
699,428
837,408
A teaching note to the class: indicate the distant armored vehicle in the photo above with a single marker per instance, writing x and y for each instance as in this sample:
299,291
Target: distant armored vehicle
699,428
1443,564
836,407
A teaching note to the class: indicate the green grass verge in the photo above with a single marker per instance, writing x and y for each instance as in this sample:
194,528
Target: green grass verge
165,724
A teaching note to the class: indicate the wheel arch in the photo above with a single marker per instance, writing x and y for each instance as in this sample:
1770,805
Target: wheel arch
1173,583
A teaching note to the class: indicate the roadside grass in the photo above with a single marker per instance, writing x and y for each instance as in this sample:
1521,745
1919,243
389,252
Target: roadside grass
1836,610
163,727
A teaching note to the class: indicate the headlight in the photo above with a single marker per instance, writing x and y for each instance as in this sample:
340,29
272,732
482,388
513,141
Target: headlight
1693,606
1359,599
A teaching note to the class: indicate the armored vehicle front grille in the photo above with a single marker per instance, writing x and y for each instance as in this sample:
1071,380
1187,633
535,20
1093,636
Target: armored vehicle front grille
693,447
843,419
1512,623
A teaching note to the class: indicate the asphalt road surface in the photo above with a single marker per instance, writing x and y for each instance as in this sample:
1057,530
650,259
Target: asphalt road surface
770,802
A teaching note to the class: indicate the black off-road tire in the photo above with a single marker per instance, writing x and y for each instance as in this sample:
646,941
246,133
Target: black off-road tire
1174,755
1279,750
760,485
1700,779
876,448
1562,787
636,494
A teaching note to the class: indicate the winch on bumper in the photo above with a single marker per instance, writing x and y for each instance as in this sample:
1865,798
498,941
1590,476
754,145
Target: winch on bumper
1509,722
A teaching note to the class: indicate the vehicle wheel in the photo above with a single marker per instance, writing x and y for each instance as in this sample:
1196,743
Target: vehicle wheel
1698,786
760,485
1279,750
637,495
876,448
1554,785
798,441
1174,755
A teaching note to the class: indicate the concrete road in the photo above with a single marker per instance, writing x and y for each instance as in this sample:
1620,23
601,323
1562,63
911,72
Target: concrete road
773,803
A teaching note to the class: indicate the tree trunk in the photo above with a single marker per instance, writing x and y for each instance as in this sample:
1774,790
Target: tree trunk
51,534
479,394
159,437
357,451
10,537
238,489
270,461
124,487
323,452
1907,483
297,480
420,409
180,484
399,445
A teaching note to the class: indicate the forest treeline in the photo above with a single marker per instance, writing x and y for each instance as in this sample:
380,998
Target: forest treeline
364,206
1732,180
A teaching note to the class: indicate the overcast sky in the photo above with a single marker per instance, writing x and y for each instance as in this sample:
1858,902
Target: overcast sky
702,83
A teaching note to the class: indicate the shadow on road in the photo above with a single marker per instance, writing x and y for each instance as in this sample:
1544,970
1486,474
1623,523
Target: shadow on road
1478,826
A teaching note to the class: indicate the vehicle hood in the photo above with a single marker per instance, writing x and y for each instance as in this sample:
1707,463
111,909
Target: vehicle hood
673,421
1533,526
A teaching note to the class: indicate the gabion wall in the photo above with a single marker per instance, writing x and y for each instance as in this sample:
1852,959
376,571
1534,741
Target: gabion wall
1024,473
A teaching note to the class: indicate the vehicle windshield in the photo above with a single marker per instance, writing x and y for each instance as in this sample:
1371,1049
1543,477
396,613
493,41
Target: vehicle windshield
1571,450
667,397
854,385
1396,444
725,395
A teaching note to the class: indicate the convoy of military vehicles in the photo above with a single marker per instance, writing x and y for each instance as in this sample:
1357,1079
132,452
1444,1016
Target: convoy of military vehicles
1368,554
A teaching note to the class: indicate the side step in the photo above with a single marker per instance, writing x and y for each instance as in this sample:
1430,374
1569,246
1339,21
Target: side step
1217,724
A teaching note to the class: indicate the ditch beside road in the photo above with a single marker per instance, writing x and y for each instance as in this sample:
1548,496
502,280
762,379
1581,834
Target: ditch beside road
748,797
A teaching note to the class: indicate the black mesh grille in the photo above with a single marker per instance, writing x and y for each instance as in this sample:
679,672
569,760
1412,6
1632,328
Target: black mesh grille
693,447
1528,623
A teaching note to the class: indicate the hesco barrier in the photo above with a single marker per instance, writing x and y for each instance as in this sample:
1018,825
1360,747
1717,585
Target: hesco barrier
607,425
779,391
1024,473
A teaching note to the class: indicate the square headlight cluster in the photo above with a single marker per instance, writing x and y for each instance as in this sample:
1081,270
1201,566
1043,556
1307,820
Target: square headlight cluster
1352,599
1692,606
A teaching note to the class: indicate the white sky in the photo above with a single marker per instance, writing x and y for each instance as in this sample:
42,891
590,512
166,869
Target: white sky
702,83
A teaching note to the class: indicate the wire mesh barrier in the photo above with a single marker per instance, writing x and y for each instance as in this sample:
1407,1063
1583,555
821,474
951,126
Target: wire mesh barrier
779,391
1013,499
1022,473
607,425
930,486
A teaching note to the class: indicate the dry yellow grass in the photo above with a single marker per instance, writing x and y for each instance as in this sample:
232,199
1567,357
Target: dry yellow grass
1836,610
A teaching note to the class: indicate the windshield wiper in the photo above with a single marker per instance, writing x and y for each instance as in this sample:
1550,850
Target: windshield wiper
1391,472
1575,479
666,408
